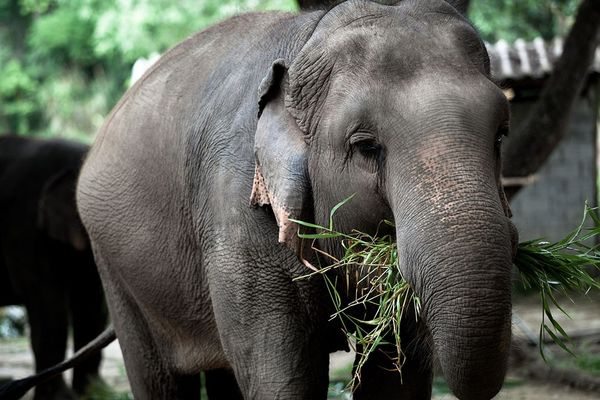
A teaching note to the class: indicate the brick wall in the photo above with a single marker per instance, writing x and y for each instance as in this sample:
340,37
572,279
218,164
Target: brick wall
553,205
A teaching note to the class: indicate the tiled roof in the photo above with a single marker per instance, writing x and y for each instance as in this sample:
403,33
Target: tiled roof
527,59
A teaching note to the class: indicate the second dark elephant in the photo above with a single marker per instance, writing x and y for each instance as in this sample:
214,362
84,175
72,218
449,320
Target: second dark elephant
46,261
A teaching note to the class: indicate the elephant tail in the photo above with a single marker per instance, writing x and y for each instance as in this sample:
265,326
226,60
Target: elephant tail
14,390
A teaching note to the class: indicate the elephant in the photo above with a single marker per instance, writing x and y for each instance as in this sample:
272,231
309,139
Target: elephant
46,262
191,189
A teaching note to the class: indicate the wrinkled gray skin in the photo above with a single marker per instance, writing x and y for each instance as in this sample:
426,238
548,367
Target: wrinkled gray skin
46,261
393,103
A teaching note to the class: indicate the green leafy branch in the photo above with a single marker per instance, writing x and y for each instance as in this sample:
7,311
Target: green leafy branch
560,268
378,284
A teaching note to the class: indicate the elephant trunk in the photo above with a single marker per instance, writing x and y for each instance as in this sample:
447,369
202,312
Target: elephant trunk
459,263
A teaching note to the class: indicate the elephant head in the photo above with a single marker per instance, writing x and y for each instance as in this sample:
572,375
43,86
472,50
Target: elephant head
395,104
57,212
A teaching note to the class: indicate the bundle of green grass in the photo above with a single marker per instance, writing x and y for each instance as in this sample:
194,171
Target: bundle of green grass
551,269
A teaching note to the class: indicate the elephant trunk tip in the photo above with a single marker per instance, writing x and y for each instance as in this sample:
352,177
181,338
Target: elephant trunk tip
478,391
476,376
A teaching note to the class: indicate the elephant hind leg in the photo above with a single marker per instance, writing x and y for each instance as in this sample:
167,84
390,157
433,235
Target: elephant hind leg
148,374
146,370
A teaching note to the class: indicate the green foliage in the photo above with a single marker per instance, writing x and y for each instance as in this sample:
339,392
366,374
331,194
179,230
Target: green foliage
34,6
560,268
64,37
373,263
527,19
588,359
17,88
98,390
65,63
589,362
135,29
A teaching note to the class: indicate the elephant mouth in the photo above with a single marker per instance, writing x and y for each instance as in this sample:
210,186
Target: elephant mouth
461,287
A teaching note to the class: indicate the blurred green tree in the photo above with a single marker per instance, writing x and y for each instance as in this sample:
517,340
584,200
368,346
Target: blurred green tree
527,19
65,63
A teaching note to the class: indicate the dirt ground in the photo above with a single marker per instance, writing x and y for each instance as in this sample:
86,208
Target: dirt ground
536,392
16,358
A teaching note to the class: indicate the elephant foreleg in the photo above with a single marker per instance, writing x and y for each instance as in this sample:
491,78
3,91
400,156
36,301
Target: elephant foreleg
275,349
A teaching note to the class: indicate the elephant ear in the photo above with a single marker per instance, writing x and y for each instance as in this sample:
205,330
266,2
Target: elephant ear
57,212
281,172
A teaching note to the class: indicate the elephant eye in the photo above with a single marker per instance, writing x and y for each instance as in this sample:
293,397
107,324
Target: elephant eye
366,144
368,148
371,152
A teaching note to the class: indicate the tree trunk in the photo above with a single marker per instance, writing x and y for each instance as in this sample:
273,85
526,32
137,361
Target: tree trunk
546,125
